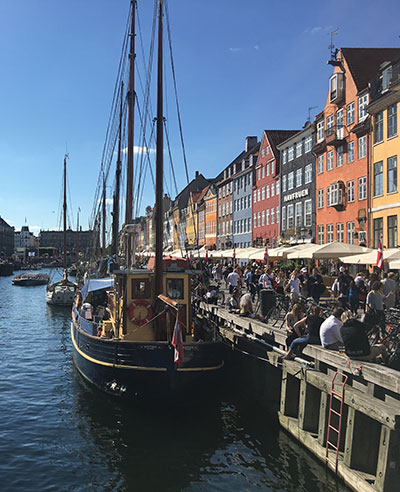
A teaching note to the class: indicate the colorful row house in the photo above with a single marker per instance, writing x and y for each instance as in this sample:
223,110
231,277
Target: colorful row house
342,147
385,149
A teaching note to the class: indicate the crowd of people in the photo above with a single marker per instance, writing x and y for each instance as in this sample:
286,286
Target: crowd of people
359,301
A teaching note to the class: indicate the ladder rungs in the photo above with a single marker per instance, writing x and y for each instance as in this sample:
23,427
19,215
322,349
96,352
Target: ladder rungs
335,412
340,395
334,428
332,445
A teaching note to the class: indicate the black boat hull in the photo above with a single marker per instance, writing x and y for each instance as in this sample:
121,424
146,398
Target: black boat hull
146,370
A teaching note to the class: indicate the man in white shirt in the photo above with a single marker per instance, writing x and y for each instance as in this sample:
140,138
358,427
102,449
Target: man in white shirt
329,331
294,286
233,280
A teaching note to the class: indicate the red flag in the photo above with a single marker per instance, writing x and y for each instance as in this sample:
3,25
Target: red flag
206,256
266,255
379,257
234,256
177,342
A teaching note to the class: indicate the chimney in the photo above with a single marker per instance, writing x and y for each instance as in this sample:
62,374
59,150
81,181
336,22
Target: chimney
196,174
250,142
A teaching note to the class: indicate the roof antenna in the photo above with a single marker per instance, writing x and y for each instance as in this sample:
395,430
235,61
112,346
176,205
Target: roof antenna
309,112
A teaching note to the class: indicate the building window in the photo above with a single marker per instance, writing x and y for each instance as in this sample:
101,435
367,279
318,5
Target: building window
392,120
320,164
298,149
255,220
262,152
290,216
334,195
320,234
392,174
339,156
277,188
267,191
362,147
350,152
263,172
272,167
283,218
267,149
378,231
350,232
329,125
267,169
308,174
258,194
290,180
340,232
272,189
329,160
350,113
284,157
378,178
320,131
267,217
249,224
378,127
350,191
392,231
362,188
299,214
308,213
299,177
308,144
272,215
290,153
339,123
277,215
321,198
255,197
283,183
259,219
329,233
263,193
262,218
362,107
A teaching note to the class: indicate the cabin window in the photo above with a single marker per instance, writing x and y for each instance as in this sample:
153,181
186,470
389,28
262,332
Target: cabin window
140,288
175,288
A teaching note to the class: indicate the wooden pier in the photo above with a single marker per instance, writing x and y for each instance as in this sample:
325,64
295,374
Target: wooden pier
368,451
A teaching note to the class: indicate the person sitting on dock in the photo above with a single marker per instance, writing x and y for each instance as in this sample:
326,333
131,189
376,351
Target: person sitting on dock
356,343
329,332
233,300
246,307
292,317
311,324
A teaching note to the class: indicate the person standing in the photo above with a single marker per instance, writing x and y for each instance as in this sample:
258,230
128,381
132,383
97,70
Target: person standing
233,280
390,290
293,286
315,285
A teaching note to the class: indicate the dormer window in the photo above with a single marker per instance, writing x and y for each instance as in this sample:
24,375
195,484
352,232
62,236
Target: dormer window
386,78
336,87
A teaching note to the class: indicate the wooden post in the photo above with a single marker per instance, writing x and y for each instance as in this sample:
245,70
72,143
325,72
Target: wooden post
323,418
388,470
290,390
309,406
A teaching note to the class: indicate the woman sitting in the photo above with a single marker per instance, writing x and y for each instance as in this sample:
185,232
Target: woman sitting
292,317
311,324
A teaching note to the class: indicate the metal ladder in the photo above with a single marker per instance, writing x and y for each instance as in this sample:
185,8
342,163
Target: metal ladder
337,430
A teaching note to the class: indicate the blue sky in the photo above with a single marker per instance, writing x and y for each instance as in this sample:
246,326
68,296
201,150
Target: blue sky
242,66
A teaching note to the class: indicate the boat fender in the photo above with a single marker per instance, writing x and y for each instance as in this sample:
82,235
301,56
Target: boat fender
139,321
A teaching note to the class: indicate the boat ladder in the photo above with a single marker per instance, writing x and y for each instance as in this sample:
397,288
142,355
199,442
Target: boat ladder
333,431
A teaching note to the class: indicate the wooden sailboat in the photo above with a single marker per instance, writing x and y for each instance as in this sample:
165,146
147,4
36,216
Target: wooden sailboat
62,293
133,334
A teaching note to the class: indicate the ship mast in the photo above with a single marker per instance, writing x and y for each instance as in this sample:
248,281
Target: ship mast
65,217
115,226
103,228
131,107
159,159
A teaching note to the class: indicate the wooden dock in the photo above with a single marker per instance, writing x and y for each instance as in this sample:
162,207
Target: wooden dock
368,456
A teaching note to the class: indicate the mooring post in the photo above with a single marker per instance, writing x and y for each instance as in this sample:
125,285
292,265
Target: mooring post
388,470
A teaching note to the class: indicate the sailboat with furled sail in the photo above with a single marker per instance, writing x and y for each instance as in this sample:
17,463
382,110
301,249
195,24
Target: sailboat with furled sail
62,293
133,333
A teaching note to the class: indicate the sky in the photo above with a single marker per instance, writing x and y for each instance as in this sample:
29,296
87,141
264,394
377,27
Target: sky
241,67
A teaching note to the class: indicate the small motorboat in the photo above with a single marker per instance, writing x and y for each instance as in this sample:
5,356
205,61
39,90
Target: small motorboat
28,279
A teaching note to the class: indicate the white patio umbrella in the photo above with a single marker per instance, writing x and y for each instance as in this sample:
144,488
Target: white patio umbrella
305,253
337,250
283,251
244,253
394,264
371,257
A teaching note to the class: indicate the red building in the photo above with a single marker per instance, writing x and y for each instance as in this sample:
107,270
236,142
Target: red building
266,211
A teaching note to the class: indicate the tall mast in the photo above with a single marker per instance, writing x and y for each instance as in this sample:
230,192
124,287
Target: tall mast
103,228
65,216
159,158
131,107
114,247
77,234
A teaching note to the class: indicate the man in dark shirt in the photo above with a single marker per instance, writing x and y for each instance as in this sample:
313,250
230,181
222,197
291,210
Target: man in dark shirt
315,285
356,344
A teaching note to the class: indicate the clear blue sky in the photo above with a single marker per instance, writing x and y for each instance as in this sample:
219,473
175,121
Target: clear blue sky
242,66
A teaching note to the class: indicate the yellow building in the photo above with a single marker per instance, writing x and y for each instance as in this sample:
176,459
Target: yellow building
385,149
176,220
191,224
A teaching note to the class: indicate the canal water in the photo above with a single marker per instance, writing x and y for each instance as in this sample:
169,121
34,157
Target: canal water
57,433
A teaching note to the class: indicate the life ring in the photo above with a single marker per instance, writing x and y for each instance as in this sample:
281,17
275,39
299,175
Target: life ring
138,319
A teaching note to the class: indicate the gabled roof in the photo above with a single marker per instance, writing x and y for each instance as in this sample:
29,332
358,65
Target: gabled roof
364,63
4,223
198,195
197,184
275,137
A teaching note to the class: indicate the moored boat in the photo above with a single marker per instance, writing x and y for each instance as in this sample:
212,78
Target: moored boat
134,333
29,279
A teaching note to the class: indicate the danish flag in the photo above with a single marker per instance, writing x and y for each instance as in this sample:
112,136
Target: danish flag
379,257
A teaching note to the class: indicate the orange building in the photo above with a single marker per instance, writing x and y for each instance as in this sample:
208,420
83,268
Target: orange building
210,200
343,145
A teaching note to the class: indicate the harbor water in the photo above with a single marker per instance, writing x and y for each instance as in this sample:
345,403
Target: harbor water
57,433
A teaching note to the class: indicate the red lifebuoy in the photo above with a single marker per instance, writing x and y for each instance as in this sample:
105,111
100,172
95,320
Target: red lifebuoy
137,319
